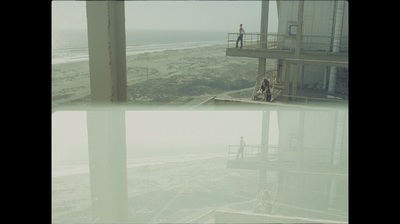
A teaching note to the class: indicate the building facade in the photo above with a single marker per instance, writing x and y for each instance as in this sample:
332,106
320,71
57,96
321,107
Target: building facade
314,35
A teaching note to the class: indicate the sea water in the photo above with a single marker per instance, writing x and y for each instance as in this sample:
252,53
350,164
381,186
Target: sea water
72,45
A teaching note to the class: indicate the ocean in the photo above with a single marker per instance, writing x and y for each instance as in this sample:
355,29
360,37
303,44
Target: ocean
72,45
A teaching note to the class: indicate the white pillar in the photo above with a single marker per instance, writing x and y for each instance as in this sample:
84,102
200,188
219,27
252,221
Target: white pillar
107,51
297,51
263,33
106,129
264,22
260,74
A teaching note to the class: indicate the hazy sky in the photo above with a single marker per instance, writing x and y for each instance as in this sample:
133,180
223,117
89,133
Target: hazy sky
201,15
155,129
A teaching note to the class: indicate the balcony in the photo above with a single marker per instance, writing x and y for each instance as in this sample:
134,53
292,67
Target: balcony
305,160
279,46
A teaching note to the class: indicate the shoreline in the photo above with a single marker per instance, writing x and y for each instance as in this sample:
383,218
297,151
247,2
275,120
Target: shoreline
180,76
134,53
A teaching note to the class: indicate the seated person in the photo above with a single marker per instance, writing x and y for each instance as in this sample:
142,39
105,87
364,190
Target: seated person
264,90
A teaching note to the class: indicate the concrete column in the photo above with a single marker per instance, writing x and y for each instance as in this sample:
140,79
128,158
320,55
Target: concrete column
326,72
332,80
264,22
107,51
263,33
106,129
336,43
299,29
260,74
279,71
286,79
301,70
298,46
295,81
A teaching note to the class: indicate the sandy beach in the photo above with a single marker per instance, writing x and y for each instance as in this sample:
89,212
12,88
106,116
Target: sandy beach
171,77
174,192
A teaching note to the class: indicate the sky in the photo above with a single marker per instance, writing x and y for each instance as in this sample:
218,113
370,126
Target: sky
198,15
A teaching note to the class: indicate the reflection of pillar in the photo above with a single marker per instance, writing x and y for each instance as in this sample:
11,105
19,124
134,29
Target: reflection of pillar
264,149
265,135
107,162
262,180
338,143
332,193
338,136
300,141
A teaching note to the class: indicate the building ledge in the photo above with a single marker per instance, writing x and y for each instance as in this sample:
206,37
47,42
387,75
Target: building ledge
286,54
338,171
224,216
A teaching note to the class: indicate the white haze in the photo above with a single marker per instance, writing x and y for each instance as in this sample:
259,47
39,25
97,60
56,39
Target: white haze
163,130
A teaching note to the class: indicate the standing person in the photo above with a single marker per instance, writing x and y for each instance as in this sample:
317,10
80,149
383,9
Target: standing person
265,90
241,148
241,32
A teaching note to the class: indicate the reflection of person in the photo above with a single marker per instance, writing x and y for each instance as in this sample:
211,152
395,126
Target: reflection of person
241,148
241,32
264,203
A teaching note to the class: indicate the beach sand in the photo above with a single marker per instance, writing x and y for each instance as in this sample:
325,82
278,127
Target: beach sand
172,192
175,192
171,77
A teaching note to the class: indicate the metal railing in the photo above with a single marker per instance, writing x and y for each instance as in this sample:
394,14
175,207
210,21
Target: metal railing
252,152
287,42
307,100
310,155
